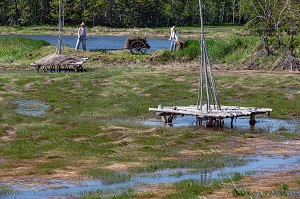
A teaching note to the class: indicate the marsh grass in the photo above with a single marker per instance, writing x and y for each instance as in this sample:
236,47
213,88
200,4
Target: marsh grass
196,189
84,106
5,190
50,166
208,162
107,176
79,107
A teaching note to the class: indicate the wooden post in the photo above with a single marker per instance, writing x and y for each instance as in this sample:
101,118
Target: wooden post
221,122
252,120
164,118
209,122
198,121
170,119
231,123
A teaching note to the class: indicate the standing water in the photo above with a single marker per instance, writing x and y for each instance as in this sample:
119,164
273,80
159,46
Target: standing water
37,188
31,107
268,125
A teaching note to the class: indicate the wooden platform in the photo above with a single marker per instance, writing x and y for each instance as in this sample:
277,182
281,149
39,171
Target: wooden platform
214,117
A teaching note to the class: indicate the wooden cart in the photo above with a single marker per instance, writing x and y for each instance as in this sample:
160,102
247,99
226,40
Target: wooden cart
137,45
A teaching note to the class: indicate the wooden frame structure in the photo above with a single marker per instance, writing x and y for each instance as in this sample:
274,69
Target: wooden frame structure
211,111
215,117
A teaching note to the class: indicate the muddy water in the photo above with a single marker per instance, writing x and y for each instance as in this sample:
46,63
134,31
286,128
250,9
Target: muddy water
268,125
31,107
262,166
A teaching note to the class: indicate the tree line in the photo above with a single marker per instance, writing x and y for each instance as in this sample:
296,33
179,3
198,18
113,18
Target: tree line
149,13
265,17
120,13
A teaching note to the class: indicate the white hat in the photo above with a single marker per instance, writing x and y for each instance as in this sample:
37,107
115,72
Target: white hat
173,28
82,24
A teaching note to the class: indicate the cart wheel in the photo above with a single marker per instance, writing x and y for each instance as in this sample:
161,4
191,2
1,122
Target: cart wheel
137,47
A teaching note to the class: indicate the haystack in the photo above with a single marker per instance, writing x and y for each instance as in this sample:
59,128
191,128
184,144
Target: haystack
130,40
56,59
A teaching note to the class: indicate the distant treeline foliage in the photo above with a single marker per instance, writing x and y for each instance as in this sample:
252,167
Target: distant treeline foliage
120,13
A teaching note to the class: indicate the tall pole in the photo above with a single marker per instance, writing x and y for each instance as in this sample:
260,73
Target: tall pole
200,89
59,45
206,74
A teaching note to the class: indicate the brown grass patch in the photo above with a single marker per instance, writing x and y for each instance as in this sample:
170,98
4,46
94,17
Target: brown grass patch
122,166
10,133
262,146
155,191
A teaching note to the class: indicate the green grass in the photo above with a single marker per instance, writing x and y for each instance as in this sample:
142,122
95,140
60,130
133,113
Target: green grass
18,50
107,176
234,52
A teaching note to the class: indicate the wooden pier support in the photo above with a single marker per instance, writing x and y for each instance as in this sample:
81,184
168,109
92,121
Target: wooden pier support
231,123
170,118
164,118
252,120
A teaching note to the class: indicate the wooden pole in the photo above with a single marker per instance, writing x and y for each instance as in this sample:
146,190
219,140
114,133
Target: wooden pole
59,48
200,90
207,74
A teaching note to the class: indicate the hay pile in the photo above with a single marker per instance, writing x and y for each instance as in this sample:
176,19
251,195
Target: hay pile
288,63
130,40
180,44
55,59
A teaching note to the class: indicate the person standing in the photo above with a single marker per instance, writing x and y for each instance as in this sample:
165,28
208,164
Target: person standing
173,38
81,37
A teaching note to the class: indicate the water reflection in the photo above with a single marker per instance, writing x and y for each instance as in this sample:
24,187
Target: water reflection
268,125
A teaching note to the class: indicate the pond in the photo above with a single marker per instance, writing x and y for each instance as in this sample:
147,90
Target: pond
55,188
101,42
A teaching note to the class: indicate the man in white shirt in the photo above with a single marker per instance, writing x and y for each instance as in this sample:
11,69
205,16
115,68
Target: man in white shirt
82,37
173,38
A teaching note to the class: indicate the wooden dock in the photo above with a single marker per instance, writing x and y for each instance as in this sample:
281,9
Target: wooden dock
208,107
214,117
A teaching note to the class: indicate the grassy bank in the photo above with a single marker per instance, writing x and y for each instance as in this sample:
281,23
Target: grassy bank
235,52
19,51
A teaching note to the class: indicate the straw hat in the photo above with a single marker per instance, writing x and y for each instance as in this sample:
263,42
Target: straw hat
82,24
173,28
